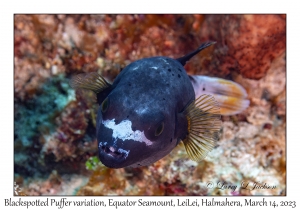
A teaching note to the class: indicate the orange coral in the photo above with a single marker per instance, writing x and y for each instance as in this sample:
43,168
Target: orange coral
245,43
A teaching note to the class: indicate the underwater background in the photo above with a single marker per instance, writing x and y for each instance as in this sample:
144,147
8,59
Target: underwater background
55,147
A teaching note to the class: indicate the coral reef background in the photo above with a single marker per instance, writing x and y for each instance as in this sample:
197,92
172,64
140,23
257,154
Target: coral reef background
54,126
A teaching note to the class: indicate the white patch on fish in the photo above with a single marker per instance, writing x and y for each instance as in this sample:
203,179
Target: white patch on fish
124,131
141,110
102,144
124,151
154,67
165,61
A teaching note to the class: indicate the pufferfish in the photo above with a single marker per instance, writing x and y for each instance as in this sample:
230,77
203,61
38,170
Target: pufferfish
153,104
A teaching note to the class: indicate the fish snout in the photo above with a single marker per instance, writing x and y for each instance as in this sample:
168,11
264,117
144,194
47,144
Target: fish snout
117,153
111,155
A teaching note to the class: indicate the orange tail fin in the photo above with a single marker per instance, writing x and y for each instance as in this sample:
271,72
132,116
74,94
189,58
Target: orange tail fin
232,97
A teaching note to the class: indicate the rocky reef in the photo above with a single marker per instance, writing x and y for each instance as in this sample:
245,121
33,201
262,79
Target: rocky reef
55,145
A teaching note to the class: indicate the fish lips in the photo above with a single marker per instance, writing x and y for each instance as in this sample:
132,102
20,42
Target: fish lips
113,156
119,154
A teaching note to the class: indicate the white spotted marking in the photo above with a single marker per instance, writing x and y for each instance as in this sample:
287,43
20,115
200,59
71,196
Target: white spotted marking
124,131
102,144
154,67
141,110
120,150
124,151
165,61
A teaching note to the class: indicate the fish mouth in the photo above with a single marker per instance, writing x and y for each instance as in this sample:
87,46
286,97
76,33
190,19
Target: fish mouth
116,153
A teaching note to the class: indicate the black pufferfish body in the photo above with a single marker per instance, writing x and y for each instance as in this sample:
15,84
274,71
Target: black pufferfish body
145,97
149,109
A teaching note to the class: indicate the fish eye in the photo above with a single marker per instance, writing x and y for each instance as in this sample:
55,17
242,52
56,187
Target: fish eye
159,129
104,105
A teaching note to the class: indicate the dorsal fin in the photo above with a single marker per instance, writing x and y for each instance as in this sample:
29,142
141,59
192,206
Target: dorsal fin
187,57
89,81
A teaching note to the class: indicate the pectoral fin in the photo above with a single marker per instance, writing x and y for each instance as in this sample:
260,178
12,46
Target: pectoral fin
203,126
89,81
232,97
